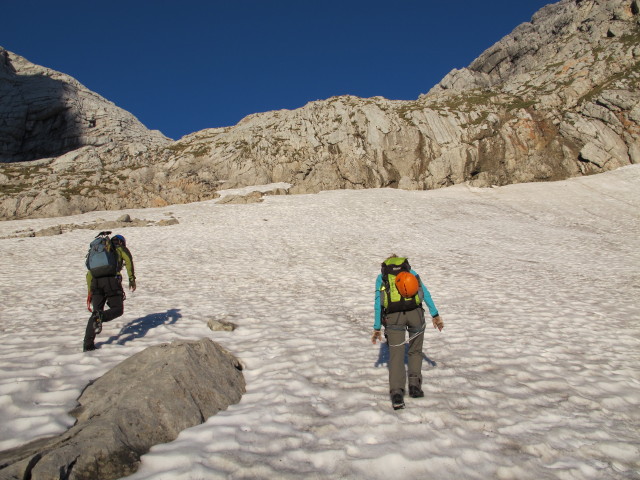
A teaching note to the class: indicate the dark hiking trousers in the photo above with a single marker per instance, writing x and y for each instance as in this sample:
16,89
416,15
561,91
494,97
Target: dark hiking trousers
396,327
104,291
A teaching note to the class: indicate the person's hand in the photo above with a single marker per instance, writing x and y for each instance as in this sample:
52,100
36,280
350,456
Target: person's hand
376,336
89,301
437,322
132,284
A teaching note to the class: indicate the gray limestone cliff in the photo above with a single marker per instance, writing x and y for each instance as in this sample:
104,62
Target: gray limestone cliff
558,97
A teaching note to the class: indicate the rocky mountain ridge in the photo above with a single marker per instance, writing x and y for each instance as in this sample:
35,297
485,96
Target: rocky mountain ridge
558,97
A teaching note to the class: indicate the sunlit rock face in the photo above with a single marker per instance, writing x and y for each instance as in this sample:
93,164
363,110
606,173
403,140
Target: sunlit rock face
558,97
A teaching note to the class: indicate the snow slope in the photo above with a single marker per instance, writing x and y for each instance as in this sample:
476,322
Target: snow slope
536,374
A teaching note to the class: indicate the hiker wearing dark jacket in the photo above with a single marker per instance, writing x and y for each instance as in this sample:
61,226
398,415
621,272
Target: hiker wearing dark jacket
398,307
108,291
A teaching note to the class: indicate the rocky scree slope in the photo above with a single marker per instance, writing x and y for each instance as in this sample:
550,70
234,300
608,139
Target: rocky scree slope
556,98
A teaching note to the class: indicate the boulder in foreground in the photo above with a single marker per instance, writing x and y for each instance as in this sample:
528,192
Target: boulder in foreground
146,400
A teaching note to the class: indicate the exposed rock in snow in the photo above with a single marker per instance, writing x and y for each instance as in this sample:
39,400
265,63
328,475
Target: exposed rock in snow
146,400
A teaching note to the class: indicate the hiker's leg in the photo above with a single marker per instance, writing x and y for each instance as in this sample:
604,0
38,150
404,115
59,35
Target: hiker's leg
415,322
395,332
98,297
116,308
89,336
115,300
98,300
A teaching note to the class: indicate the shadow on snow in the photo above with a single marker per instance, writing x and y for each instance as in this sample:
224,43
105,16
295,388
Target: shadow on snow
140,327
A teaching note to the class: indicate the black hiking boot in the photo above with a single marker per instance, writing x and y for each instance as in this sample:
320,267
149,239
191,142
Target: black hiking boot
88,348
415,392
397,401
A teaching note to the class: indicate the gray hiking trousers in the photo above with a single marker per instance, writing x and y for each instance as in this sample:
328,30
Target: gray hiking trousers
396,327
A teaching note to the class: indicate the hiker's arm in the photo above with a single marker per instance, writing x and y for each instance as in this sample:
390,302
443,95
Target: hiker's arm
377,307
377,311
89,278
433,311
127,258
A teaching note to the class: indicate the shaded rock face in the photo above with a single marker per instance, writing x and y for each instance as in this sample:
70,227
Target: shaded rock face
556,98
146,400
46,114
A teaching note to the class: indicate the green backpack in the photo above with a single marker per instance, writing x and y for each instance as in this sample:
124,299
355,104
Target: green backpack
392,300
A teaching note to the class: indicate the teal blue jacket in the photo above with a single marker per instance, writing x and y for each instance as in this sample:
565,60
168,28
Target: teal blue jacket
377,305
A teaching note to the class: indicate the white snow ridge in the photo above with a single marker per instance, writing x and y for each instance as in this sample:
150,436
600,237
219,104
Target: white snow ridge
536,374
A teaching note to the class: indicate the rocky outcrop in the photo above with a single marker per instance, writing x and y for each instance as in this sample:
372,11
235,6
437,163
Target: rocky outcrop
46,114
146,400
101,225
556,98
576,65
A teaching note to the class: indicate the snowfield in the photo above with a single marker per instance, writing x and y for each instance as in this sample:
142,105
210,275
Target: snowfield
536,374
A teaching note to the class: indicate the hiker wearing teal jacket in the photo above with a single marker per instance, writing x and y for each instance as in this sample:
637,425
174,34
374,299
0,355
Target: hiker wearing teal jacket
398,306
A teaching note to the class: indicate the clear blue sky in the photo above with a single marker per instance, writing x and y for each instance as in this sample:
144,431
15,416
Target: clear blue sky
182,66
